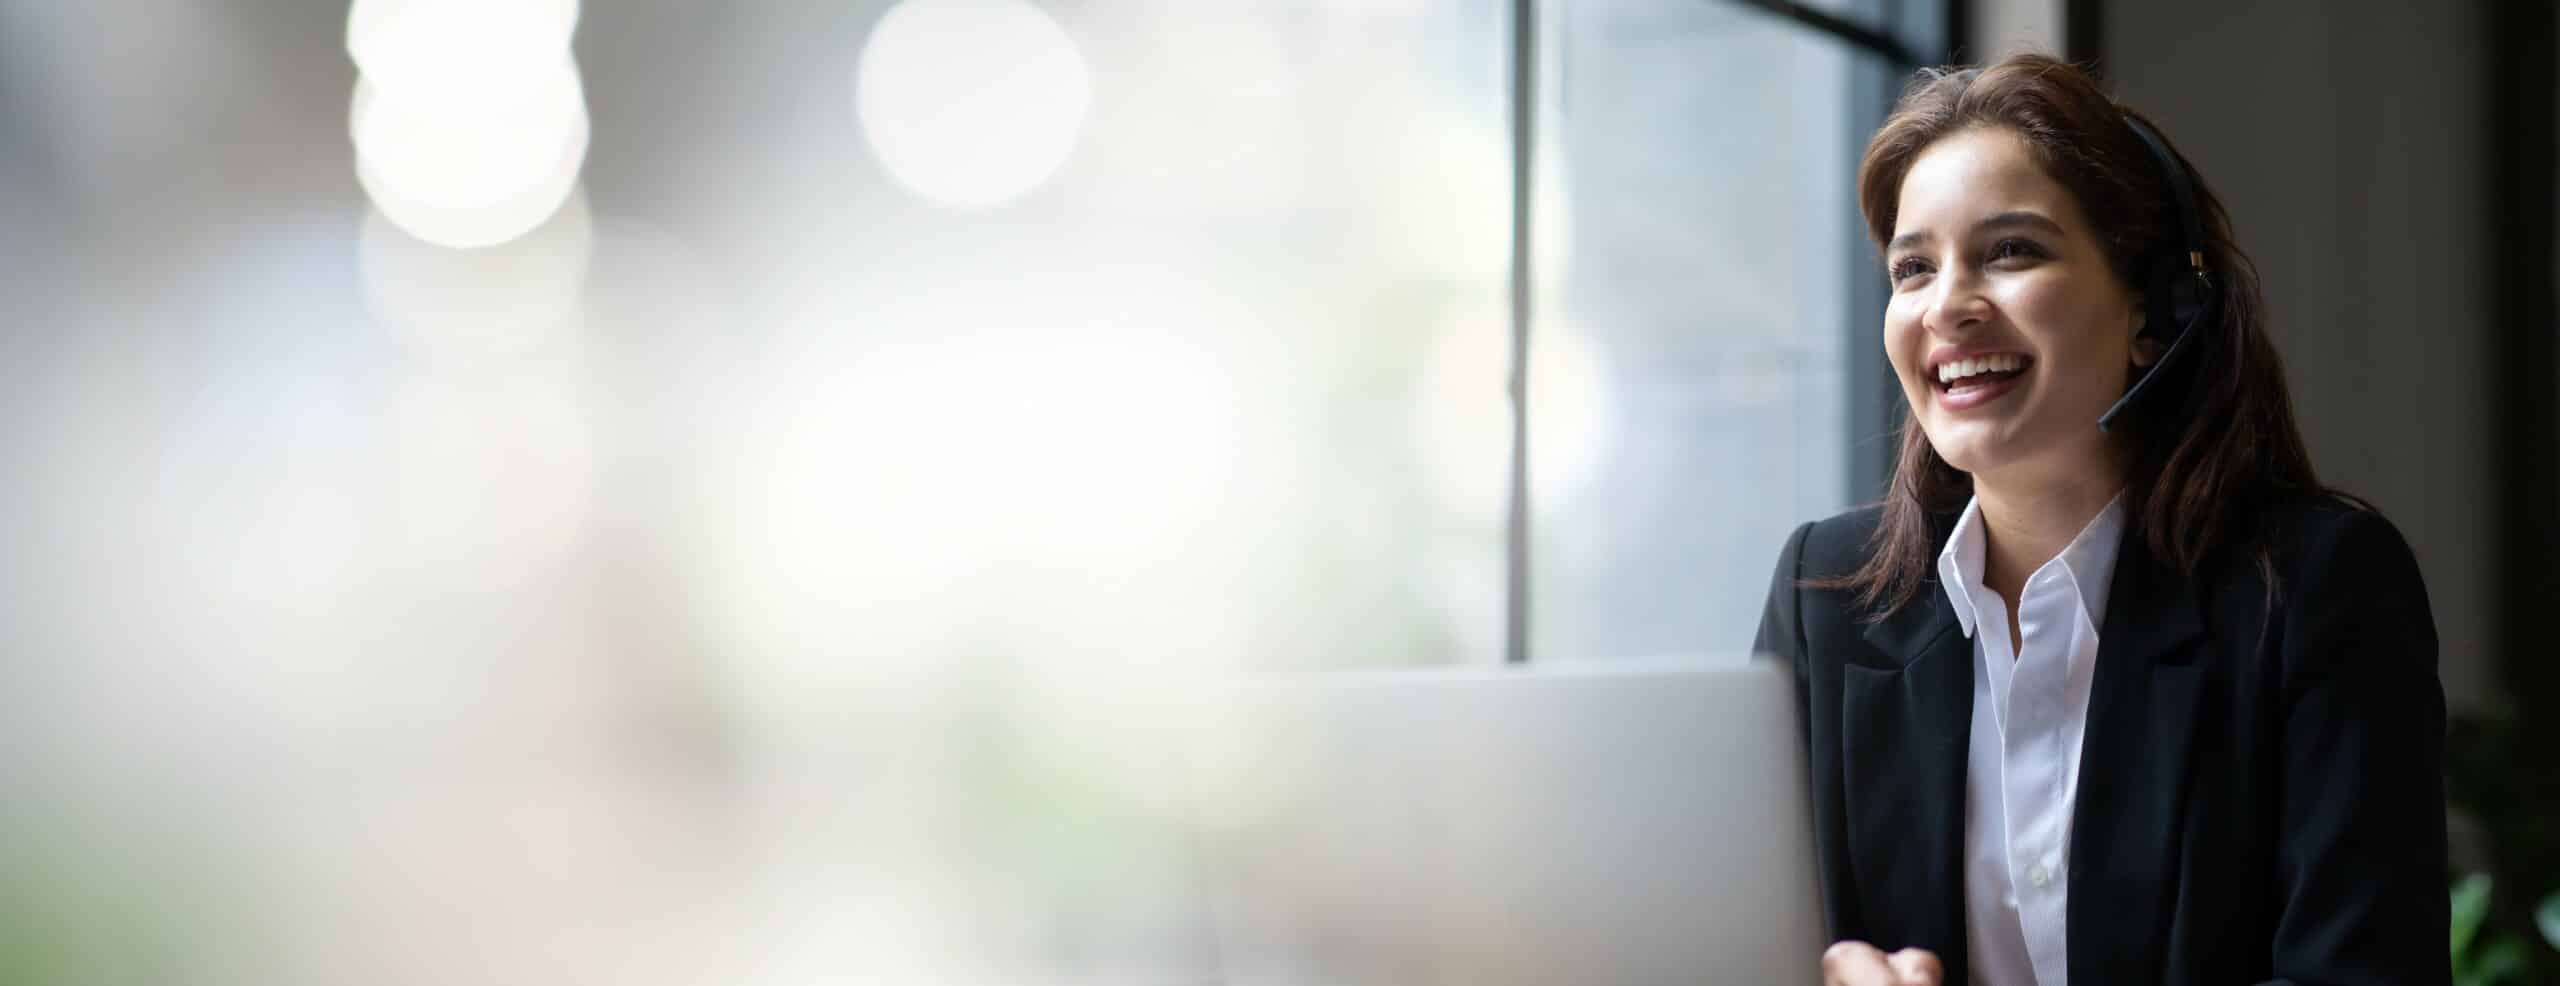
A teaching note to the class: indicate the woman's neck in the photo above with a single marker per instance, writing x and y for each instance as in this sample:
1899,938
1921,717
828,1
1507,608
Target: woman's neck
2026,525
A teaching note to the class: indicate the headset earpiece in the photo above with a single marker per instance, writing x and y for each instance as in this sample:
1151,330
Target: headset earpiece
2174,294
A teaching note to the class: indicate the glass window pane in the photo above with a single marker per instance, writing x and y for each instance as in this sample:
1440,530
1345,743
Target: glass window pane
1333,180
1228,382
1689,401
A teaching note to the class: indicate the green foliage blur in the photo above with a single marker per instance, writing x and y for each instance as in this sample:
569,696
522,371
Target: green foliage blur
2495,780
2505,957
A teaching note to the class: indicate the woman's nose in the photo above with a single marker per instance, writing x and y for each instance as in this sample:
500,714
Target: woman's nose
1959,303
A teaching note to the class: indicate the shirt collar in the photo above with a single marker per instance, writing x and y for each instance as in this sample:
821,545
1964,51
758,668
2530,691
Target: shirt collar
2089,561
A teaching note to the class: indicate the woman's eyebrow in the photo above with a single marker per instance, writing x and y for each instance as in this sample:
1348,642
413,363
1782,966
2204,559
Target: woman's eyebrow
2014,217
2020,217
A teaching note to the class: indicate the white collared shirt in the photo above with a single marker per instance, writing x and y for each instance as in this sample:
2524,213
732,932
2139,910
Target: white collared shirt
2022,775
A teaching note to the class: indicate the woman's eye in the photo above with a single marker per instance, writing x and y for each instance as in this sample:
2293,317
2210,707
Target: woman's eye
1906,268
2006,249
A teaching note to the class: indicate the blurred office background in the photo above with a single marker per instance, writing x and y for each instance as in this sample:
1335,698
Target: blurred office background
648,491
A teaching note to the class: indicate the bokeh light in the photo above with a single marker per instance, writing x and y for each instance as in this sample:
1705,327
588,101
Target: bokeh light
970,103
469,123
463,56
874,508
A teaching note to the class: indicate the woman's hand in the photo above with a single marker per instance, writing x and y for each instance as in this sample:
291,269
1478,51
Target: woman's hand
1856,963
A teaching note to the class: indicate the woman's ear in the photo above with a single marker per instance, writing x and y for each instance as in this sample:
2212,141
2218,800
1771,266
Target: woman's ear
2146,350
2146,347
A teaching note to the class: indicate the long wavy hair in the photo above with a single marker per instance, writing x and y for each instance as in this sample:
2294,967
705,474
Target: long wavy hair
2211,442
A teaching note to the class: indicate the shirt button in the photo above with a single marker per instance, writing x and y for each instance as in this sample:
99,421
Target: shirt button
2038,875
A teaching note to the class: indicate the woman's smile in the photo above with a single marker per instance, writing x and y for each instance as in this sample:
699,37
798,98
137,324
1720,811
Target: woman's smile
1970,380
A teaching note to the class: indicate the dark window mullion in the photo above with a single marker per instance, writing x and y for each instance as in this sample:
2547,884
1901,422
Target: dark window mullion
1874,41
1524,141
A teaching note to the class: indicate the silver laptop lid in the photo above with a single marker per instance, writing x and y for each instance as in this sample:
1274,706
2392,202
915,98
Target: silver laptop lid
1619,824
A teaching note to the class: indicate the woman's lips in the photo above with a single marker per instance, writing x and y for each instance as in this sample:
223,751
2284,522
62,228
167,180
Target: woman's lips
1979,394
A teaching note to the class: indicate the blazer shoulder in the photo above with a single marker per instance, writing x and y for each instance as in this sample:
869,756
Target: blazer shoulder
2337,562
1838,544
2315,534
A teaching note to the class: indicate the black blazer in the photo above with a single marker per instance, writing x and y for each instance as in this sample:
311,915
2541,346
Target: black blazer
2261,793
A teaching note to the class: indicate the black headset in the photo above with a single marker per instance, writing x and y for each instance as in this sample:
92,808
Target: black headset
2176,290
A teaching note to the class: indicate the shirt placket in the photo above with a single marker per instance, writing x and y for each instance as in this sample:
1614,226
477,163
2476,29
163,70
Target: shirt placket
2037,770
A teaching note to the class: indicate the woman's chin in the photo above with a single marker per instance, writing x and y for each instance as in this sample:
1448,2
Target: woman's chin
1968,448
1980,453
1976,455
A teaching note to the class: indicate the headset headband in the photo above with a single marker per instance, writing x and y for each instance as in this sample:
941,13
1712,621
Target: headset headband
2191,230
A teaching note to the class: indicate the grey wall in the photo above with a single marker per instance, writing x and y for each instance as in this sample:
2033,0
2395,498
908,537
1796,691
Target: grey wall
2351,144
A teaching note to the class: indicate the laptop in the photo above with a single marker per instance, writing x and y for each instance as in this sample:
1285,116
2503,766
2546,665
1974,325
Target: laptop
1619,824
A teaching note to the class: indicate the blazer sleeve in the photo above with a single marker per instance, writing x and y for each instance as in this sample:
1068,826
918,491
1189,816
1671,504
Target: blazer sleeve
2361,852
1781,621
1782,635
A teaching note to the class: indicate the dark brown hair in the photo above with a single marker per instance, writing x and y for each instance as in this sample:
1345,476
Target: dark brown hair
2211,442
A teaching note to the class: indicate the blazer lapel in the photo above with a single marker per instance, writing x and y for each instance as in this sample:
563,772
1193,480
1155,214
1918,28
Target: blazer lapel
1906,720
2125,828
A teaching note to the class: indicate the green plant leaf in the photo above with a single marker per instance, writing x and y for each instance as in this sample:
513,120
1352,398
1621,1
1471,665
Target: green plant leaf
2470,905
2547,918
2501,960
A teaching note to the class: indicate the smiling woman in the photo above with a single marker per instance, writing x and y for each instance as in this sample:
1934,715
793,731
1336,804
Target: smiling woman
1983,233
2091,702
2056,219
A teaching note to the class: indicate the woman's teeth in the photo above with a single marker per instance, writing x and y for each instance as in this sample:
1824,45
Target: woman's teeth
1981,368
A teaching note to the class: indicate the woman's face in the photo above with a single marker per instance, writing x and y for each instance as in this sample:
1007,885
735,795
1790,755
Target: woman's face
1997,276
